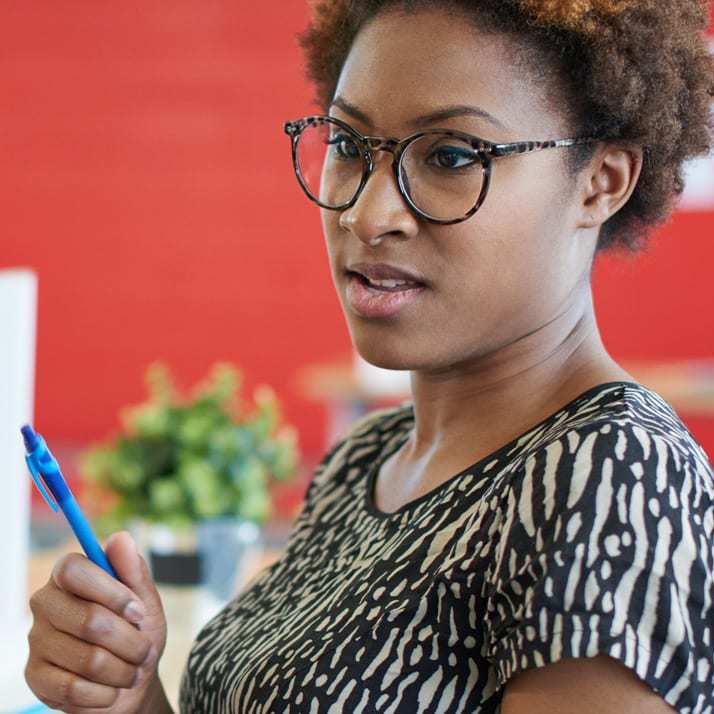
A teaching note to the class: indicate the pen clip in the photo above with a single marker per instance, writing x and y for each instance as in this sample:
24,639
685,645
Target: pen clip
37,477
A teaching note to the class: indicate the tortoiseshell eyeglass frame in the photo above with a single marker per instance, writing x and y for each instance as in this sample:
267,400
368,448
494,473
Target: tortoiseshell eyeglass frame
486,151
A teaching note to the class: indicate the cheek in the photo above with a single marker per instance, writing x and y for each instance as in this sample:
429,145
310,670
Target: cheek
330,232
522,221
502,247
327,227
507,263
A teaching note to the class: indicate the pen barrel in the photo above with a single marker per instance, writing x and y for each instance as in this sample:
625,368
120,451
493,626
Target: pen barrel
52,476
85,535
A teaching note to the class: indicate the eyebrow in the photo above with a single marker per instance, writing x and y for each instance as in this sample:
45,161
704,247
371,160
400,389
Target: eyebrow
455,110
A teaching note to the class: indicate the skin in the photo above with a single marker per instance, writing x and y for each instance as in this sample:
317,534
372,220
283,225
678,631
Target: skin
505,334
88,653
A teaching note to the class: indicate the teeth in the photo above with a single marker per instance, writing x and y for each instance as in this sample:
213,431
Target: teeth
389,283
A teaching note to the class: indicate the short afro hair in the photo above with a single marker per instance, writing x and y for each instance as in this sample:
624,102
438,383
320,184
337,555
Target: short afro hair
637,71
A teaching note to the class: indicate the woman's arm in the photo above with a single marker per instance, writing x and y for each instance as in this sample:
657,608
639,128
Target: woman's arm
587,685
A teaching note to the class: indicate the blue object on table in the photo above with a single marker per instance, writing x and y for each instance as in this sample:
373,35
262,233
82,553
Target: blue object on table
44,468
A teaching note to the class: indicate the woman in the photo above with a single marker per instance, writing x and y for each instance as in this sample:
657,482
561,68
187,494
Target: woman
533,533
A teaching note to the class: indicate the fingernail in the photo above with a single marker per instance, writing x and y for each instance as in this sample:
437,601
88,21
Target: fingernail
135,612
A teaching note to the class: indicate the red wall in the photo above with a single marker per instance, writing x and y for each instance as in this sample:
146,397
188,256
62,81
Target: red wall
147,180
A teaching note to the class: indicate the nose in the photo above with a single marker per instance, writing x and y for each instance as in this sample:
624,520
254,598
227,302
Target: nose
380,210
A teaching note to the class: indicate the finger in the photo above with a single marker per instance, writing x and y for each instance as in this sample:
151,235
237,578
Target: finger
92,623
58,688
133,570
89,661
75,573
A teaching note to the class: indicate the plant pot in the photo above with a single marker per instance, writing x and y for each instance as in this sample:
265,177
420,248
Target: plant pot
209,553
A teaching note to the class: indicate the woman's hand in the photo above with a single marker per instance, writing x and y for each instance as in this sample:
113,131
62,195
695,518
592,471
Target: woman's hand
85,653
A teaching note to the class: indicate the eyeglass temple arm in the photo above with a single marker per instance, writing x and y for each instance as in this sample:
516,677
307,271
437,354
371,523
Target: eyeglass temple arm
525,147
521,147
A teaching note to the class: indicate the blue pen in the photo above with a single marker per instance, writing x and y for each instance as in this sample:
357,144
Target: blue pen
44,467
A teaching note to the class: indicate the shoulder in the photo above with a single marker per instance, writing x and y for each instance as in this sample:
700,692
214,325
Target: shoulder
634,436
631,462
655,430
625,482
641,443
605,549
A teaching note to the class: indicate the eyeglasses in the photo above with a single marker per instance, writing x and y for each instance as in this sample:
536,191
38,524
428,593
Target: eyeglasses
443,174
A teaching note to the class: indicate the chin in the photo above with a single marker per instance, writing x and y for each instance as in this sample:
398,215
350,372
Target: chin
388,362
382,355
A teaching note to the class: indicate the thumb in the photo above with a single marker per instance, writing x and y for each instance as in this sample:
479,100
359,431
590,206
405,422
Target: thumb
131,568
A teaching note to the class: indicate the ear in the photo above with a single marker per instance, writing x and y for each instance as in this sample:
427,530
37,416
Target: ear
609,181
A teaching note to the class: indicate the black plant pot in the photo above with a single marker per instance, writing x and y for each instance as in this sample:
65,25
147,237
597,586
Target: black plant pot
177,568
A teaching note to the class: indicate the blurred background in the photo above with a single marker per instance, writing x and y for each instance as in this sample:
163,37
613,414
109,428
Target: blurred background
147,186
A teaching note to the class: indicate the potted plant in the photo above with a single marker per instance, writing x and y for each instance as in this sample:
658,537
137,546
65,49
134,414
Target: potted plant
190,476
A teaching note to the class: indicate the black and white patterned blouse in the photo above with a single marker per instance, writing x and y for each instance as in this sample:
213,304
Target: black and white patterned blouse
591,533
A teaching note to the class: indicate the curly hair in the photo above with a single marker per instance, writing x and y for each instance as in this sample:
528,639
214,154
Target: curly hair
634,71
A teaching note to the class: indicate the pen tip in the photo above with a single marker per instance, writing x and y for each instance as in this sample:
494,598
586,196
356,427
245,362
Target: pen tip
29,437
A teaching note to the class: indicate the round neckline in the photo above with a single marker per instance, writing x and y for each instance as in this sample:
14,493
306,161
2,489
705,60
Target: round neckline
368,498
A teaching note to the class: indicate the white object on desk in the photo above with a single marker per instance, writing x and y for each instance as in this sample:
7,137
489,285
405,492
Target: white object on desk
18,314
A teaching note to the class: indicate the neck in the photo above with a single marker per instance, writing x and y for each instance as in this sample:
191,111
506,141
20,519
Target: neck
494,397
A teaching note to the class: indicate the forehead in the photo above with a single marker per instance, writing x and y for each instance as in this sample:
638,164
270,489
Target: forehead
405,65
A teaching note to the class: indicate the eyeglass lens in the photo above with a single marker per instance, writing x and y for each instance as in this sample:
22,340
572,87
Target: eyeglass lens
442,174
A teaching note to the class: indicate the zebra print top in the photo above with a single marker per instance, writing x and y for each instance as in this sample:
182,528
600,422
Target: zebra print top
590,533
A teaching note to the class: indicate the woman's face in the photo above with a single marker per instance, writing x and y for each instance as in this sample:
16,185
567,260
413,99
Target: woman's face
517,263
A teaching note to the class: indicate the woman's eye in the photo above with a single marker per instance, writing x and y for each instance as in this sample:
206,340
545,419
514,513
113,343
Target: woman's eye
452,157
345,146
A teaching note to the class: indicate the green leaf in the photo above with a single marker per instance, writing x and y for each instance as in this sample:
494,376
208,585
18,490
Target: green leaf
195,429
166,497
127,476
96,463
256,505
251,471
160,383
147,420
285,461
207,491
221,386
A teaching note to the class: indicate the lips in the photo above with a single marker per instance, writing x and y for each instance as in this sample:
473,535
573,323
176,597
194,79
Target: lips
378,302
385,271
